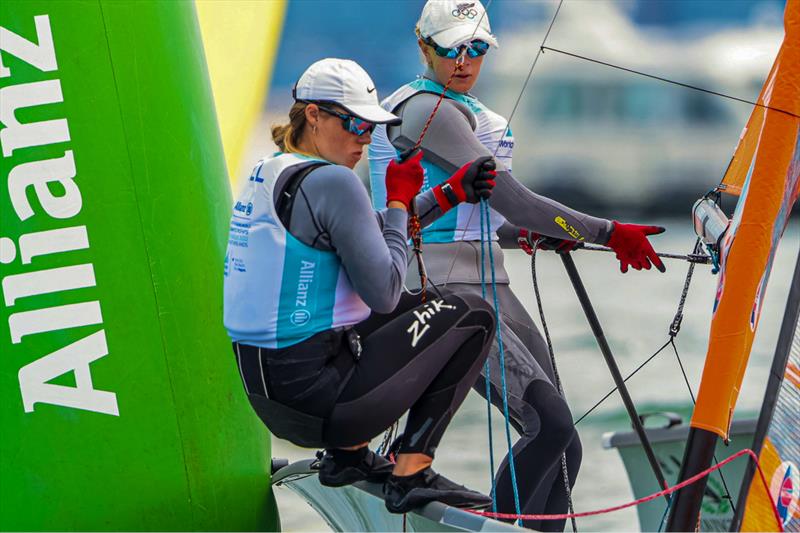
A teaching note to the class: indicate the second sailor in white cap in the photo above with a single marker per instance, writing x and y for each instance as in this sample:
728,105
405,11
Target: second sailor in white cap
455,39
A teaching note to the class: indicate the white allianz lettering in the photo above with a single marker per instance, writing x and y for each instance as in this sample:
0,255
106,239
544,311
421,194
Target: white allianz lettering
39,174
53,184
76,358
16,135
47,282
52,242
53,319
41,56
304,281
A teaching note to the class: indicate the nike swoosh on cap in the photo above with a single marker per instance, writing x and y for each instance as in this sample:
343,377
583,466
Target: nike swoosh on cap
370,90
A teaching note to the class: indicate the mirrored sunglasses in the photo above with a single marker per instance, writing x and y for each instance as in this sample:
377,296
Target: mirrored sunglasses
474,48
351,123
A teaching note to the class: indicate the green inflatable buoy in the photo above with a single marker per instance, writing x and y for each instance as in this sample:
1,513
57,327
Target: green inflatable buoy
122,408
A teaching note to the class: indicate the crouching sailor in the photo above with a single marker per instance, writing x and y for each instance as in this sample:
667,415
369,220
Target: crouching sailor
329,351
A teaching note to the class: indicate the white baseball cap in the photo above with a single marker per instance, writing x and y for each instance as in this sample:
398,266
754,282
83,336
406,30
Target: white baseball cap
343,82
451,23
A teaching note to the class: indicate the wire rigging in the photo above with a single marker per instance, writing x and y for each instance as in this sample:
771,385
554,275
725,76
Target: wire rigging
667,80
674,329
564,469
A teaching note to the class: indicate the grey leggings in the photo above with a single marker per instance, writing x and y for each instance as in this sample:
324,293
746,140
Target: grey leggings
537,411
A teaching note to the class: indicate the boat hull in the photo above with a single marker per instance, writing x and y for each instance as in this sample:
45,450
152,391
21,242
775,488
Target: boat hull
360,507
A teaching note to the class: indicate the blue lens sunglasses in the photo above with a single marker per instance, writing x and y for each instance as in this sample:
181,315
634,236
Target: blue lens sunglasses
474,48
351,123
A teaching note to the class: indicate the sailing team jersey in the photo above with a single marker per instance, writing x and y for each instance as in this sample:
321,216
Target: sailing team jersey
463,223
279,291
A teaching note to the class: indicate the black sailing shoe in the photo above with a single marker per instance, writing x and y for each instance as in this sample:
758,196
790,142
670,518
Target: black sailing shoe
338,468
402,494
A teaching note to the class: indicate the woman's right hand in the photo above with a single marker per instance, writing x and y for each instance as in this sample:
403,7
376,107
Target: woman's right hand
471,183
404,179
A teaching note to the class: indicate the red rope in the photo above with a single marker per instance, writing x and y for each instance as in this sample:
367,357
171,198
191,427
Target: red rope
427,125
414,223
645,499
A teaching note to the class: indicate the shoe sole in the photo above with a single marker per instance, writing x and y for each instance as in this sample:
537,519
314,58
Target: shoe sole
409,504
348,476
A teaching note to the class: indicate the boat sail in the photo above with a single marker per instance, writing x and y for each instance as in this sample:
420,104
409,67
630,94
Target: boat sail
776,440
765,174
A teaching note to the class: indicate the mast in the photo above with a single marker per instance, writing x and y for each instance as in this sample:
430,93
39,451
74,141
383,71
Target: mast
765,169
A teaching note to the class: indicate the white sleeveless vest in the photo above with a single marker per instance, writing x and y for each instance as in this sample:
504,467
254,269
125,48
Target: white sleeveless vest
464,221
279,291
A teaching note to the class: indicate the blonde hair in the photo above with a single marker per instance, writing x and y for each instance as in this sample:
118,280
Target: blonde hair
422,57
286,136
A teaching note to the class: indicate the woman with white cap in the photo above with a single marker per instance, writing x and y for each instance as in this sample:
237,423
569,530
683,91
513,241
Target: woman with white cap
454,37
329,353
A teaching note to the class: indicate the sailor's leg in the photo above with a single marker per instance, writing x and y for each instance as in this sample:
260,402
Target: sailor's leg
538,450
536,409
546,499
519,320
424,360
375,320
557,499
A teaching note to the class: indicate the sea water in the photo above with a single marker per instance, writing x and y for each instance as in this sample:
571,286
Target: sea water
635,310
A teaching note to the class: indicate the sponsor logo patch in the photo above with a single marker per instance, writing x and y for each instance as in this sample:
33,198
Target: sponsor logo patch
300,317
247,210
785,489
420,326
569,228
465,11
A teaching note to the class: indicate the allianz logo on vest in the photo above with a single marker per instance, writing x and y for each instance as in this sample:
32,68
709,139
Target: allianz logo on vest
301,315
246,209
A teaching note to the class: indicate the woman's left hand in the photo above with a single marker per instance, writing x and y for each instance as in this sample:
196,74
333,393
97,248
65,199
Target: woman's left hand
404,179
630,243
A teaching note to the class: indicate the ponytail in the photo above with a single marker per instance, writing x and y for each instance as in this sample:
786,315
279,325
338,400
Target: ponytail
287,136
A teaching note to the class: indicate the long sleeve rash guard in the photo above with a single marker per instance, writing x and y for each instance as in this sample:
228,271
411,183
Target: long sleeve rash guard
333,212
450,143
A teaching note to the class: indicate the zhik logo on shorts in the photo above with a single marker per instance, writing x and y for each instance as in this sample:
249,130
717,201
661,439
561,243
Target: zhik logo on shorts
420,326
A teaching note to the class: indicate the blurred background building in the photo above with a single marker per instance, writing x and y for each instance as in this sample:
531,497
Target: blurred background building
598,139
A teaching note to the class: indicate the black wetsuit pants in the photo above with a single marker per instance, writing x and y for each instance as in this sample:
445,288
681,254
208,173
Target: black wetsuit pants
537,411
420,358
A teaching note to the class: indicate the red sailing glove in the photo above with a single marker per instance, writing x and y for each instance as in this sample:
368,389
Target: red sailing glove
404,178
469,183
630,243
526,240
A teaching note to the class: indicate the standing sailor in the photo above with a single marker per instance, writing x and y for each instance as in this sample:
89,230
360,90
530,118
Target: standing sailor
461,130
329,353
